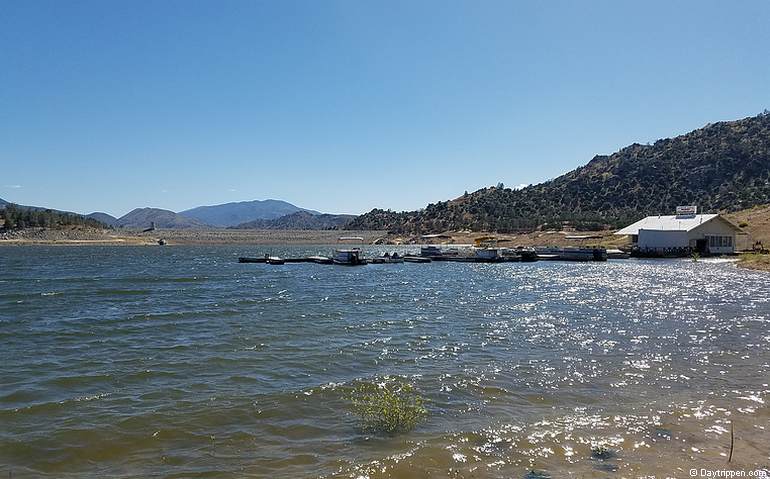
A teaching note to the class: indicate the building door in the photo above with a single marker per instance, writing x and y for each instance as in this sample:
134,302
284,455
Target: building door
702,246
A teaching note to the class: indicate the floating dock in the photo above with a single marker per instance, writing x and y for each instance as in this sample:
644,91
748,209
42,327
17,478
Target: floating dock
429,254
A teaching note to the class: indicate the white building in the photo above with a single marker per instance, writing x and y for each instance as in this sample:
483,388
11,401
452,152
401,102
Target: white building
680,234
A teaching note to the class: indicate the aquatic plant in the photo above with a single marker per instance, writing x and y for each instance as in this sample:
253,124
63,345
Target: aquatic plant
535,474
388,408
602,452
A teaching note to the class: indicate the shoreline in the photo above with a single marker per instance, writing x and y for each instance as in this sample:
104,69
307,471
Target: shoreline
79,236
202,237
754,262
89,237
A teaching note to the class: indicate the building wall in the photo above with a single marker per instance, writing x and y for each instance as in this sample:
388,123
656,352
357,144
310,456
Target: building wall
719,235
661,240
723,233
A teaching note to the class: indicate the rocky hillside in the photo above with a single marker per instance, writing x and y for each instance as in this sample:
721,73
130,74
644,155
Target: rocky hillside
144,217
232,214
723,166
301,220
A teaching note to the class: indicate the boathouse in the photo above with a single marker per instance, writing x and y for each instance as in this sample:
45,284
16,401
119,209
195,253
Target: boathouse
682,234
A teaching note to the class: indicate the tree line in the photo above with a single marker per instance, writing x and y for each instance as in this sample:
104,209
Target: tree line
17,217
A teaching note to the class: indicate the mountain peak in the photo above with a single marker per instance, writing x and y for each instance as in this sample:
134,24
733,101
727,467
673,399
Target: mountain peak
236,213
145,217
103,217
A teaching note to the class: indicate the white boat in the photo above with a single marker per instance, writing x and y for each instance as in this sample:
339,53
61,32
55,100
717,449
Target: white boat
320,259
348,257
617,254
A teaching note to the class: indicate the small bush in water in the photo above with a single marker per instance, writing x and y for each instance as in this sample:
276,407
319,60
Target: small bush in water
388,408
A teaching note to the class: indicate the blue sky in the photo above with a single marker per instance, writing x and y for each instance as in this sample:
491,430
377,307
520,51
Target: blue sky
343,106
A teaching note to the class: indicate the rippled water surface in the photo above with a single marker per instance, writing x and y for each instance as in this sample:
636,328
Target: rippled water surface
180,362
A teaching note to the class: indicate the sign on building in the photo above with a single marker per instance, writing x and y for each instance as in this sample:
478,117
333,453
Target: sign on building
690,210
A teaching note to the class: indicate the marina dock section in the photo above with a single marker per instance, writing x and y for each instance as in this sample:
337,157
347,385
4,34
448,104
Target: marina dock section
432,253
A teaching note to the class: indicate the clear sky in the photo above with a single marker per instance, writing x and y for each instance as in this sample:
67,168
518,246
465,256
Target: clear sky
342,106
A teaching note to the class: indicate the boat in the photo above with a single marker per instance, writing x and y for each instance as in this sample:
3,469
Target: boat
348,257
387,258
430,251
416,259
572,253
437,254
247,259
274,260
520,253
320,259
617,254
487,255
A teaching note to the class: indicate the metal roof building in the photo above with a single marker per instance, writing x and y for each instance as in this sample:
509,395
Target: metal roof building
671,234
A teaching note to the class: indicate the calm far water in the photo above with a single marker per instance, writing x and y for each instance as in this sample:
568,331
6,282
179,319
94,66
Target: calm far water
180,362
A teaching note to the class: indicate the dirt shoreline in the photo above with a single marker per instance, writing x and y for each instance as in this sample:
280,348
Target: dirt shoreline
755,262
78,236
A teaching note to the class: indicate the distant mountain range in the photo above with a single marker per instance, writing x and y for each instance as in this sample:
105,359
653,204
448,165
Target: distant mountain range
145,217
267,214
233,214
722,166
301,220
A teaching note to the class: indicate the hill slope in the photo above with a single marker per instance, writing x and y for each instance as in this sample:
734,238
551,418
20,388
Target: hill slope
301,220
723,166
103,217
144,217
232,214
19,217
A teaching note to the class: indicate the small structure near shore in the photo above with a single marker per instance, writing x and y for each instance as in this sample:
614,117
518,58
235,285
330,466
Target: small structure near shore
682,234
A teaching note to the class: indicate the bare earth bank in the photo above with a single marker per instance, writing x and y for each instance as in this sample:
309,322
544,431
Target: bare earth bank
89,236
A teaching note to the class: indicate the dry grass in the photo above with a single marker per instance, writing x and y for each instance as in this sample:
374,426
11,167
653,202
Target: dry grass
759,262
755,222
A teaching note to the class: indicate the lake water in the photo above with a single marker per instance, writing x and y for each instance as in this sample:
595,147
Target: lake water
180,362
